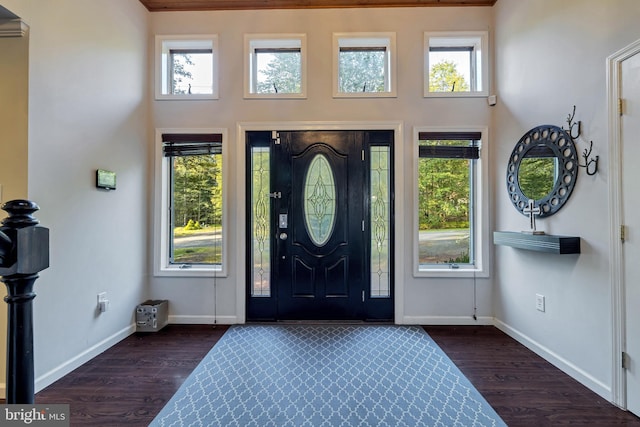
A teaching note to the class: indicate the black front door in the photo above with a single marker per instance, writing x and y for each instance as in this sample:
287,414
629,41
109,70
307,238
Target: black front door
320,251
319,228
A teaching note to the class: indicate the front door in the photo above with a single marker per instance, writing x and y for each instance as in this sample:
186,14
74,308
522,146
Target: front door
321,239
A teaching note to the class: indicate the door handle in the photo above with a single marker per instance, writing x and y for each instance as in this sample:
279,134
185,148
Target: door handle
280,245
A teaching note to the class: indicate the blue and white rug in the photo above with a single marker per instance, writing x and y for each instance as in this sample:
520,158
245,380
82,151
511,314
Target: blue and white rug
325,376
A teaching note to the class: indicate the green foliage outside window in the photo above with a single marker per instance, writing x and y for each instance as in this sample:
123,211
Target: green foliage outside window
180,74
282,74
444,208
443,186
362,71
445,77
197,208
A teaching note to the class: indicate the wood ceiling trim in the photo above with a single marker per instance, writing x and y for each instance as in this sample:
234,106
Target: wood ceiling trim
201,5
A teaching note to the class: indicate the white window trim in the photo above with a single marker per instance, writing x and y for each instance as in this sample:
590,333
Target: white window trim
161,266
163,43
387,40
273,40
484,62
482,197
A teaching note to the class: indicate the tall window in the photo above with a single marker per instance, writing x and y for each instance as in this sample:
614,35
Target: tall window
275,66
192,220
448,201
186,67
260,221
456,64
364,65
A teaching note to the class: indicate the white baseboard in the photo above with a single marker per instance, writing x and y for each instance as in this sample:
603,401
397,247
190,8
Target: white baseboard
447,320
203,320
559,362
56,373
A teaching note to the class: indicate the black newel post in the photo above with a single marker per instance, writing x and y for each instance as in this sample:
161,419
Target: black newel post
24,251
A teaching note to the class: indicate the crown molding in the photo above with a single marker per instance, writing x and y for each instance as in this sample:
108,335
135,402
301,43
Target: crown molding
200,5
13,28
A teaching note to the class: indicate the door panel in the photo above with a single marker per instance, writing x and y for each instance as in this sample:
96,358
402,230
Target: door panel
319,264
630,142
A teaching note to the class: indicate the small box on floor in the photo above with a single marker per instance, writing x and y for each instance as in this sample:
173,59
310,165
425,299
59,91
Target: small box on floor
152,315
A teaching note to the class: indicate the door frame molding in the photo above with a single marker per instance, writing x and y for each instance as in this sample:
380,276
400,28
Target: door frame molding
618,311
399,212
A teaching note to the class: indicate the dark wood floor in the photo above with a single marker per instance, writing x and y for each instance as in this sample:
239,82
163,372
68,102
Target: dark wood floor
129,383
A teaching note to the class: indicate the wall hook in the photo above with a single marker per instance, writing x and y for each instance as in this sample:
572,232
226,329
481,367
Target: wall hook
573,124
590,163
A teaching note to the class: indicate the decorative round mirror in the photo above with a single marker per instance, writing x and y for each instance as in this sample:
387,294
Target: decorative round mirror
543,167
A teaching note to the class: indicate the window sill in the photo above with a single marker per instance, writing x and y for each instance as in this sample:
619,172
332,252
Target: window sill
450,272
186,97
275,96
456,95
189,272
365,95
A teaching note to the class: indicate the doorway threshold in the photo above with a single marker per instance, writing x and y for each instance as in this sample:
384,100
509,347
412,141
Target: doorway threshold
323,322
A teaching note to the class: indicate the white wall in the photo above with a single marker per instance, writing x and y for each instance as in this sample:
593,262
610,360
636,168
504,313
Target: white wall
424,300
14,91
88,104
550,55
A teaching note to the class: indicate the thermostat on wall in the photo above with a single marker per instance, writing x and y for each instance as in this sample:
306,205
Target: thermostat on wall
105,179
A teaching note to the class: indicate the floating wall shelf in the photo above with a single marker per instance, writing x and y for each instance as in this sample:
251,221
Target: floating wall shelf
538,242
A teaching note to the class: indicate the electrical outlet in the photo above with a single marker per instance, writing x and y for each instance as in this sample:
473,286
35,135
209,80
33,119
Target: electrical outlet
539,302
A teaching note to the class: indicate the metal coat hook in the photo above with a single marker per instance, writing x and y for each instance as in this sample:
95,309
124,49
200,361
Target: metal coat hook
573,124
590,164
591,170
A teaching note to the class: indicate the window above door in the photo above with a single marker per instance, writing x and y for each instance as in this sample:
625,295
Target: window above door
275,66
186,67
364,65
456,64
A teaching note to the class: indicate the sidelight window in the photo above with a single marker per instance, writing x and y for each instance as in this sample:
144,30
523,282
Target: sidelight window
260,221
380,202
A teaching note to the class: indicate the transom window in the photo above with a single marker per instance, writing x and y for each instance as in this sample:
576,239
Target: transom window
192,208
449,216
275,66
456,64
364,65
186,67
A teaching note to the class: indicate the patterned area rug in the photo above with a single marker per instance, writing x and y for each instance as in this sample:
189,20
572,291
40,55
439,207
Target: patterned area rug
317,375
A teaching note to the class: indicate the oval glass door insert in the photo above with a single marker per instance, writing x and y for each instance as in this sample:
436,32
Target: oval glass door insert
319,200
